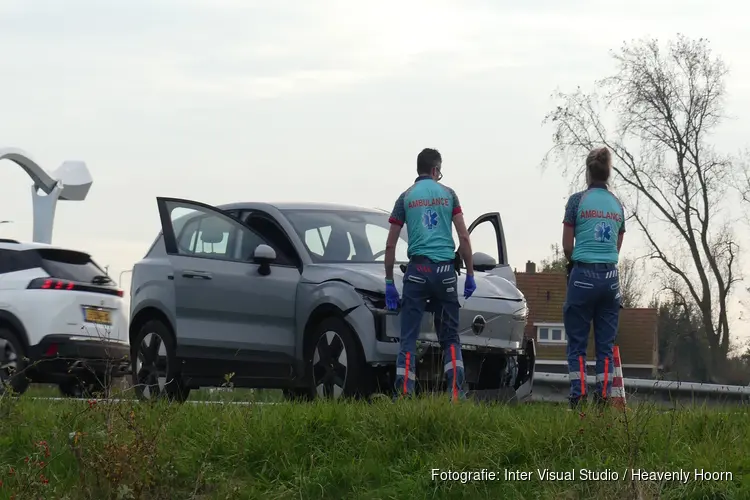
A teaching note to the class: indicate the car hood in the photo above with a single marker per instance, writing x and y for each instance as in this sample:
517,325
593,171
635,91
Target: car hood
371,277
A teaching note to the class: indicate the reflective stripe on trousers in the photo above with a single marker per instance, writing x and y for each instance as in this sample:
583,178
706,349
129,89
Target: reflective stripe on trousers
454,371
577,377
405,384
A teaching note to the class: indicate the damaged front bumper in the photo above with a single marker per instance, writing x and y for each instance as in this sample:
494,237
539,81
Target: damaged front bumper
498,365
491,373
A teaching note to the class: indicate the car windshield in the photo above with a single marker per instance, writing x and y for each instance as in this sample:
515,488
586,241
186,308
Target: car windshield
345,236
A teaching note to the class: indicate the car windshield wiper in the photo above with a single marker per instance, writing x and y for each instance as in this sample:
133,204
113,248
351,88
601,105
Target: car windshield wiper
100,279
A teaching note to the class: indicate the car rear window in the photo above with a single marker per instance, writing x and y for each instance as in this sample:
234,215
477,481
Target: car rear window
69,265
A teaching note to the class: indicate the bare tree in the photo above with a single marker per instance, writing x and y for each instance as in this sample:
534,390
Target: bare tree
667,103
745,185
741,177
631,283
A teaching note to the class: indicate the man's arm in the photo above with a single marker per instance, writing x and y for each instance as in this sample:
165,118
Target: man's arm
464,245
397,219
464,241
390,249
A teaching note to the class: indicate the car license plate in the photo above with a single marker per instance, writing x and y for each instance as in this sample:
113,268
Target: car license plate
98,316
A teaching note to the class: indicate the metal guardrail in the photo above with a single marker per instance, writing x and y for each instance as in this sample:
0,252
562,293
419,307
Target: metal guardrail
651,384
554,387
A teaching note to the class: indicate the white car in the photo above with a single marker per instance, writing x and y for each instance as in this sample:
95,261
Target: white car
62,320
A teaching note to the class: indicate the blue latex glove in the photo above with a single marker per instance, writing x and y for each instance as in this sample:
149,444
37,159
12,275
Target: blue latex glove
469,286
391,296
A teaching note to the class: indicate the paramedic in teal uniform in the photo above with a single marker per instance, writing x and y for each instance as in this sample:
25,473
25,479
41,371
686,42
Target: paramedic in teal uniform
429,209
595,221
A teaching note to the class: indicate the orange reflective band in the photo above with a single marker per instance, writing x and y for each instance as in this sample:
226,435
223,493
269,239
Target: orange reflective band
455,374
406,375
582,367
606,375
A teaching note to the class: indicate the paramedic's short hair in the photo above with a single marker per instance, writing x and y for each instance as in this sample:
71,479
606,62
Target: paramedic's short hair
428,159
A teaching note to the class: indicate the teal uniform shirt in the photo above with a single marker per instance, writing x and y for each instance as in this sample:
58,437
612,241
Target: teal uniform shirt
598,218
427,208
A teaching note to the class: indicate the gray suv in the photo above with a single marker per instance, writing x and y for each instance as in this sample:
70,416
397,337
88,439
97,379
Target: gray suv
291,296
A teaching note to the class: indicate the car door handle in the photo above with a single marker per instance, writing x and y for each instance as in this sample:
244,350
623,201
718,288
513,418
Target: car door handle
197,274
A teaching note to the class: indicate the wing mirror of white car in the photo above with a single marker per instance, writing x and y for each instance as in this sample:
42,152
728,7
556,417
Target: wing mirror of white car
264,256
483,262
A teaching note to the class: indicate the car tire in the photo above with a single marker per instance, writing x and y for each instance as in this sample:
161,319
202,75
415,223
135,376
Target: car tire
156,368
13,362
336,366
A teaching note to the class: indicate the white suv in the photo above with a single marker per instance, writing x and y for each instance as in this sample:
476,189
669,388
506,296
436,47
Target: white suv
62,320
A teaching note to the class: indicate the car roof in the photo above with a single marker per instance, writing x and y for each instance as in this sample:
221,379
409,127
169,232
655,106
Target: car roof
8,244
300,205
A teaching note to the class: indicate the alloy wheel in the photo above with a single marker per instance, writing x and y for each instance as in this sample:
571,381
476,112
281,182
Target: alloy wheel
330,365
152,366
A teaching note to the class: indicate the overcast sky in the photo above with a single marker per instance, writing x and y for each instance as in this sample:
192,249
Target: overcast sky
234,100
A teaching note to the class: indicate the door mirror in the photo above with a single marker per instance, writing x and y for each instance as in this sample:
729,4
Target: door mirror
264,255
483,262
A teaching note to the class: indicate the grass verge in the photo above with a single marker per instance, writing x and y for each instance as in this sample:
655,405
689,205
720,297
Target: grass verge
202,394
97,450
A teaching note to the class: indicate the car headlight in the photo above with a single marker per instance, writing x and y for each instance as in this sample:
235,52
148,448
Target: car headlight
521,314
373,300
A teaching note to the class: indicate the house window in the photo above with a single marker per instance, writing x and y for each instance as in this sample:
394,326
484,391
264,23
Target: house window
550,333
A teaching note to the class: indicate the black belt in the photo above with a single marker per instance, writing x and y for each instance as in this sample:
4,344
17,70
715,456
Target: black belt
596,266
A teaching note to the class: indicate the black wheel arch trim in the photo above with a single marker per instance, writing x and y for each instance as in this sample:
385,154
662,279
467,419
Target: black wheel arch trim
136,320
15,323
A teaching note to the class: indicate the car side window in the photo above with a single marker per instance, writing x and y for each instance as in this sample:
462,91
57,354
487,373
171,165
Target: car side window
206,236
209,234
266,226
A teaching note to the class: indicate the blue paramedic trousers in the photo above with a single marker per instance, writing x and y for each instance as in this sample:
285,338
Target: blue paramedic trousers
438,282
593,295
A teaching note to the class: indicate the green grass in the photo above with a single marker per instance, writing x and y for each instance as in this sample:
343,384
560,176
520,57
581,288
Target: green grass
203,394
361,451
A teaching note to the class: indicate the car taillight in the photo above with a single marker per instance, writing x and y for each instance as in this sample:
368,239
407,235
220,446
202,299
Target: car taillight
51,350
51,284
57,284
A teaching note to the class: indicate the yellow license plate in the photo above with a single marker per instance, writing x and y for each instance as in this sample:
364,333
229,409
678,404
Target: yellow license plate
99,316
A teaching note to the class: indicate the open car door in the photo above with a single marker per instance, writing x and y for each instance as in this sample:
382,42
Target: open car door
232,301
492,229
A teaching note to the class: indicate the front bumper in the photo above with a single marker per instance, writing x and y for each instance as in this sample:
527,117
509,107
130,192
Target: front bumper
503,330
491,374
59,357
